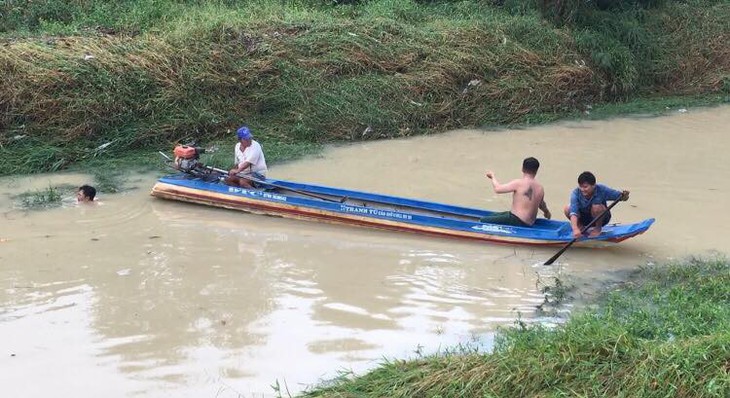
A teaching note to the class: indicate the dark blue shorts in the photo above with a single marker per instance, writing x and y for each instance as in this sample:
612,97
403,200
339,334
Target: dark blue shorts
505,217
259,177
585,218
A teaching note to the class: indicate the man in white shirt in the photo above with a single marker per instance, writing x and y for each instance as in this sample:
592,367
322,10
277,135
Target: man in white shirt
250,164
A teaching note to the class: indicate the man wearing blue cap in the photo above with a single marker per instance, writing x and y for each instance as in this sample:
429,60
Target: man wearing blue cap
250,162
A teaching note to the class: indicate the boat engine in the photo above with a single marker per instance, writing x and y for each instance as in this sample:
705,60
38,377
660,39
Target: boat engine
187,157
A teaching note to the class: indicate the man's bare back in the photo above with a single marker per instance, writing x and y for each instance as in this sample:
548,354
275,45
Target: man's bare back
526,199
528,196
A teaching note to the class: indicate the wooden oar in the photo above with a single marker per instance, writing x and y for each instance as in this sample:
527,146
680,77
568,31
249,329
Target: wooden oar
582,231
254,179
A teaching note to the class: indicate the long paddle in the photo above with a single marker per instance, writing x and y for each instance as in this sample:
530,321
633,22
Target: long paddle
254,179
582,231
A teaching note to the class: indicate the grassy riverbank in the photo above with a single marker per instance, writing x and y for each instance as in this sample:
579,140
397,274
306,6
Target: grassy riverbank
663,333
96,80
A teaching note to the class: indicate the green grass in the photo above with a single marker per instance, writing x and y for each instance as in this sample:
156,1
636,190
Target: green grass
657,106
663,333
109,180
49,197
92,79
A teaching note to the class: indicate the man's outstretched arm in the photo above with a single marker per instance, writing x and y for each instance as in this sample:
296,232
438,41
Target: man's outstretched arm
501,188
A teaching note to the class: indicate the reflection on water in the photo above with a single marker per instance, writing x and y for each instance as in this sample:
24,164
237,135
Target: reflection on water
140,296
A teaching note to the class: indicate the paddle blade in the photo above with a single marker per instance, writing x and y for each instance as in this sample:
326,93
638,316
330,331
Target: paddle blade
552,259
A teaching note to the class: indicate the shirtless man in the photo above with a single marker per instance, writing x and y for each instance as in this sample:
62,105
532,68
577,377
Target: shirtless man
85,194
527,197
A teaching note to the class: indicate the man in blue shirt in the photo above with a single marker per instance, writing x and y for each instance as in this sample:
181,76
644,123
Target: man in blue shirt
588,202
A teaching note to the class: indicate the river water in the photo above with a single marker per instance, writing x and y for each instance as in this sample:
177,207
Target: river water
137,296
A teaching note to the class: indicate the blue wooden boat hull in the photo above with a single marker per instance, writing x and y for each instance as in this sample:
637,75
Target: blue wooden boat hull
334,205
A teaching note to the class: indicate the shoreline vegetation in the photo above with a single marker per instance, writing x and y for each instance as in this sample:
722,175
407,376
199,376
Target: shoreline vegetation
102,86
85,82
665,332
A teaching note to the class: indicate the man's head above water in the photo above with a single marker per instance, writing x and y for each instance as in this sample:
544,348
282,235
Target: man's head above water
86,193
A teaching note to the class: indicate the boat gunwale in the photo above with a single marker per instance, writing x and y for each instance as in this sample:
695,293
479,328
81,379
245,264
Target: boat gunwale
527,235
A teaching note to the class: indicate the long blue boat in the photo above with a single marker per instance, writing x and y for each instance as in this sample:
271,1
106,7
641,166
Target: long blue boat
327,204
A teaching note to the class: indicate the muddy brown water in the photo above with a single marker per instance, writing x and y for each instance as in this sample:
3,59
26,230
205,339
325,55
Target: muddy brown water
137,296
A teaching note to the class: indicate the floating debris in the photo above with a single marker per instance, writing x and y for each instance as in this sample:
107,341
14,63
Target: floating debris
103,146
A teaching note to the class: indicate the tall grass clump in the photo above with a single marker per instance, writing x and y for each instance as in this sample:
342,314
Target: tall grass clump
296,74
49,197
648,46
92,78
664,333
69,16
